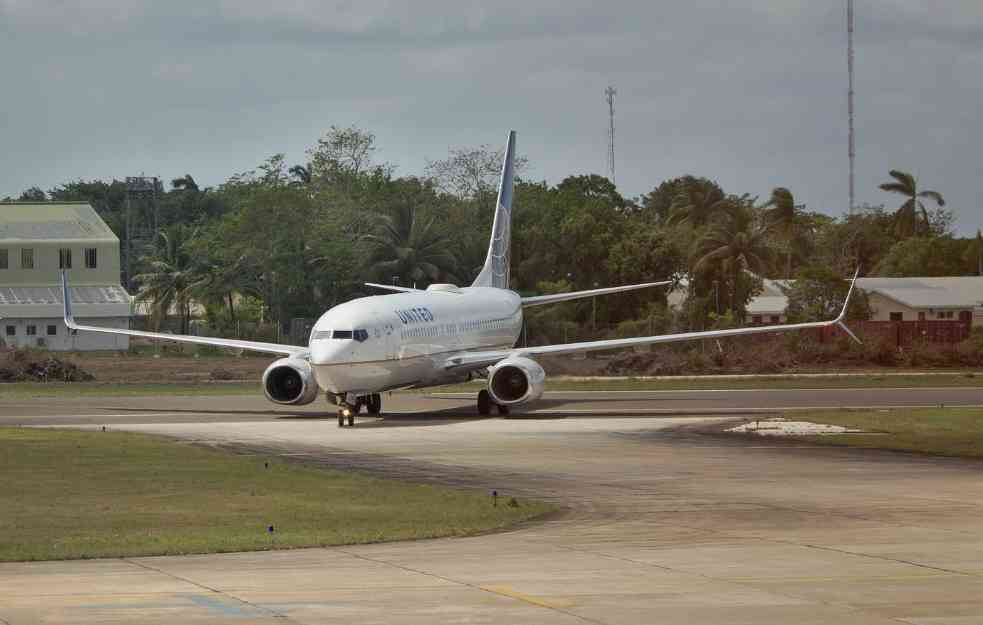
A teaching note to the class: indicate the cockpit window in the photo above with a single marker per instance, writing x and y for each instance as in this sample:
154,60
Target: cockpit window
361,335
321,335
342,334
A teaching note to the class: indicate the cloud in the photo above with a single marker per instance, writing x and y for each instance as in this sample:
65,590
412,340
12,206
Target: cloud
750,93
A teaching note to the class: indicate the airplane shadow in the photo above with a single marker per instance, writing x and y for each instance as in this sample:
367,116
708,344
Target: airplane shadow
432,417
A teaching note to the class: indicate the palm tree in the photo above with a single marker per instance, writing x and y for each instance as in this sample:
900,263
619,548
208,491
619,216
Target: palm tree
783,215
911,216
411,247
171,279
219,282
735,244
698,205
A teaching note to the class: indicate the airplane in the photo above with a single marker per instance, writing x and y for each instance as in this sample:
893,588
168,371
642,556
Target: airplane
418,338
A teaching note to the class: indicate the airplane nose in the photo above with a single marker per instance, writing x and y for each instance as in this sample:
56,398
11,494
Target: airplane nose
328,352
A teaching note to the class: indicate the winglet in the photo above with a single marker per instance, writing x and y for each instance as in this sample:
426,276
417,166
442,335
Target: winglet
846,304
67,301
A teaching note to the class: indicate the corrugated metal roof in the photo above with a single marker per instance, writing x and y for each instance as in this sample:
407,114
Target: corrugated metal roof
767,304
43,221
952,292
13,295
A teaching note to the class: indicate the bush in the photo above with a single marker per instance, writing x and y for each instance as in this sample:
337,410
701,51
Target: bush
24,365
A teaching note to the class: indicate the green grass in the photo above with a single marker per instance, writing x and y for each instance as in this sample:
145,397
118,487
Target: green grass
71,494
939,431
768,382
21,390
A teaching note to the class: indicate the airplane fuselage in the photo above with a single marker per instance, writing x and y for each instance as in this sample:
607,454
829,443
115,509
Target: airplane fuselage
383,342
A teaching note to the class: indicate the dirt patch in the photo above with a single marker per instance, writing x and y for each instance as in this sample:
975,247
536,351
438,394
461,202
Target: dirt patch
21,365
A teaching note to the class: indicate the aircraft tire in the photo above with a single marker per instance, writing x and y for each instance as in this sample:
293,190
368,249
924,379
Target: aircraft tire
484,403
374,403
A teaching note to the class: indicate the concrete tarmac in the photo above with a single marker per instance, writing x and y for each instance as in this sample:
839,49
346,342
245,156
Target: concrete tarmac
664,523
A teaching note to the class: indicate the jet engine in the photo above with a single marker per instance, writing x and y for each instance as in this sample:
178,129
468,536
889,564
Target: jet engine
516,380
290,381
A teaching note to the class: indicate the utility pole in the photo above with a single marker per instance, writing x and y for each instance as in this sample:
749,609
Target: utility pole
849,63
610,92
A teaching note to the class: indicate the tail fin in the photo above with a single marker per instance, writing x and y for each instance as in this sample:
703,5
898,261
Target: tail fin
495,272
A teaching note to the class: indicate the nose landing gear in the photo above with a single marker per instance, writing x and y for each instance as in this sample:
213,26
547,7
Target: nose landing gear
347,410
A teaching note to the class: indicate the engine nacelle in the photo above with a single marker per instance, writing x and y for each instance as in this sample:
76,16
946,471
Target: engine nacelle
290,381
516,380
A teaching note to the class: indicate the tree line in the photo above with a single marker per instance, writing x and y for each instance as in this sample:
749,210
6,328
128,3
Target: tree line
289,240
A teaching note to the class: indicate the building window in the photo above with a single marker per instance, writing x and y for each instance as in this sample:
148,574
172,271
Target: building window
756,319
90,258
3,258
776,319
52,330
64,258
11,330
32,330
896,316
921,316
27,258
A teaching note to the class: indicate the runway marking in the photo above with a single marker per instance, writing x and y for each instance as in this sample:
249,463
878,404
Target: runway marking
521,596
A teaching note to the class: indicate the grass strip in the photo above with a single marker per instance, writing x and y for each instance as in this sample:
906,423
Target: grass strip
956,380
83,494
938,431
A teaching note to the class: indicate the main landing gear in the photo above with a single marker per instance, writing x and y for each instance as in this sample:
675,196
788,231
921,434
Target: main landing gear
485,404
348,408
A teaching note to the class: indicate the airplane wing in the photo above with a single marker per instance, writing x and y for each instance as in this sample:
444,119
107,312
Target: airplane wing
473,360
539,300
392,287
255,346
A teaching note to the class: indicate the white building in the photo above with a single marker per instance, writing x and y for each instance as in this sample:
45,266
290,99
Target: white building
891,299
37,240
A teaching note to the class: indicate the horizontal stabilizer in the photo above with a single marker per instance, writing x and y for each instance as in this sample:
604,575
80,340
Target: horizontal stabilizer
539,300
392,287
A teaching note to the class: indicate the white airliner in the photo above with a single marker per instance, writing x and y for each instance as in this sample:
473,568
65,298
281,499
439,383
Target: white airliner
419,338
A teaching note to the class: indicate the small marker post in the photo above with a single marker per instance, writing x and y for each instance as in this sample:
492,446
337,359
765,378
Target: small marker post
494,495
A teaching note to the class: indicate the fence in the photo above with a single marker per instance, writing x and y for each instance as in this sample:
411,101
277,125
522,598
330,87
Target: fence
903,333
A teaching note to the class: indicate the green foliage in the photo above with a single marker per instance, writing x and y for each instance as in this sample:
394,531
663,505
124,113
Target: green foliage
928,256
295,239
818,293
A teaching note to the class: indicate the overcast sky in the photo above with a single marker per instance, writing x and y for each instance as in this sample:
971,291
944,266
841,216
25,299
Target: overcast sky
752,94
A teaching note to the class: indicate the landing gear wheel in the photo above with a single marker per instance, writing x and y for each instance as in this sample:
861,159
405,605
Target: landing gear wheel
484,403
346,412
502,410
374,403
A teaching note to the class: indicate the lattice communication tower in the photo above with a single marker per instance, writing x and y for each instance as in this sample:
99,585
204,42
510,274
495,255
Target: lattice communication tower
610,92
142,212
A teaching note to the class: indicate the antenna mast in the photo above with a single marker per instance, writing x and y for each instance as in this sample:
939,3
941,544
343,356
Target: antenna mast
610,92
851,152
